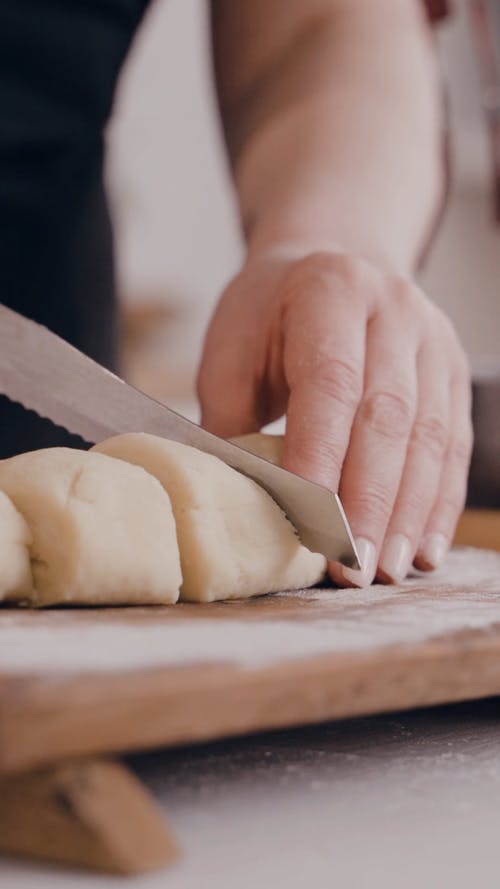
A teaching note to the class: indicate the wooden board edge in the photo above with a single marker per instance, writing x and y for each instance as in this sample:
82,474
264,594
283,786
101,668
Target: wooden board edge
42,721
479,528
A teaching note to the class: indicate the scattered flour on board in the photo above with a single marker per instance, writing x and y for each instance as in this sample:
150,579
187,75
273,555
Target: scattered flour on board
465,595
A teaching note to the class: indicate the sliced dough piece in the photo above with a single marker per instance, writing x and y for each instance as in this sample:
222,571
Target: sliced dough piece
264,445
234,540
16,580
103,532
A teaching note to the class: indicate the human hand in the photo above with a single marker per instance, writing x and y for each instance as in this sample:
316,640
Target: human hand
376,390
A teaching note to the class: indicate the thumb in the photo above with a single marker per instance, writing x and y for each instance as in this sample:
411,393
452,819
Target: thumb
228,388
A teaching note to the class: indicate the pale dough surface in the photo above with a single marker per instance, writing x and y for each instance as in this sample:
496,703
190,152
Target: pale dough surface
234,540
268,446
102,531
16,581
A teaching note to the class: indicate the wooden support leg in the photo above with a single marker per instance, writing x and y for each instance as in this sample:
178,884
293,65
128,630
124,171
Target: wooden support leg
90,812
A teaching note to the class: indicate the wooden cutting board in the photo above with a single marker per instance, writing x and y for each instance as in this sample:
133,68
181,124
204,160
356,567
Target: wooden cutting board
78,681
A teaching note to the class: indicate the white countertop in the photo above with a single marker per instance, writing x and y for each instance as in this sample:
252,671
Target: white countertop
395,802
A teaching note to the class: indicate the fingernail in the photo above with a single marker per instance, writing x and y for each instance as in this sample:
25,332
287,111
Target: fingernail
395,560
432,550
368,561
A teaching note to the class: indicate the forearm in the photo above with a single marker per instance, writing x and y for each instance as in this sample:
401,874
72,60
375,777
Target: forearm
334,127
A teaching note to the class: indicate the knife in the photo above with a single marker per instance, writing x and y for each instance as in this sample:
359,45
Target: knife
45,374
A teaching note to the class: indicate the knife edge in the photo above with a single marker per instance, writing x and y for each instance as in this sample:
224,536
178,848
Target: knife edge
78,394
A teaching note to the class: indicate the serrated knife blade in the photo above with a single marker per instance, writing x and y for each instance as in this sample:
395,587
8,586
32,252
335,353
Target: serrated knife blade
45,374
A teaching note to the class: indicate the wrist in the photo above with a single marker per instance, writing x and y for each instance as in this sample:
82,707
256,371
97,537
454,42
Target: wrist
283,241
327,215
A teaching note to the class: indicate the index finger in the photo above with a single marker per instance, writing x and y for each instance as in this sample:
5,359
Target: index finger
324,349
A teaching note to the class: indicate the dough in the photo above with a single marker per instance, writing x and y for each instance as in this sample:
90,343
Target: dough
16,581
103,532
234,540
268,446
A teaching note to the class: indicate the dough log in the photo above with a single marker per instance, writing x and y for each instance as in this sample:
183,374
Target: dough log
234,540
268,446
16,581
102,531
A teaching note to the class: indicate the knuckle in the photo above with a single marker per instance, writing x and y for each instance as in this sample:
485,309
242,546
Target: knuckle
339,379
314,272
325,269
323,262
431,433
403,286
324,453
389,414
407,293
374,503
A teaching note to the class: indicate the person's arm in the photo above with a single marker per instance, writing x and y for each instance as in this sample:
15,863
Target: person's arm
332,115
